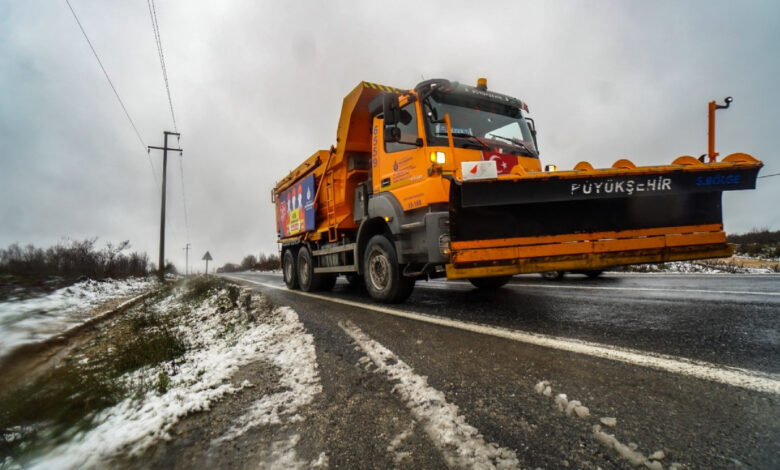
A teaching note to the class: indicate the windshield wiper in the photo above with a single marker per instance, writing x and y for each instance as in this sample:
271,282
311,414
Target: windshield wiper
478,141
514,141
470,138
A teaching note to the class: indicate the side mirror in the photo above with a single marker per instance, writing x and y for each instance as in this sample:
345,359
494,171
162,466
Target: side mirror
392,134
405,117
532,126
391,109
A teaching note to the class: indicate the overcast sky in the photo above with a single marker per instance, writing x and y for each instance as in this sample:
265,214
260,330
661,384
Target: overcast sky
257,87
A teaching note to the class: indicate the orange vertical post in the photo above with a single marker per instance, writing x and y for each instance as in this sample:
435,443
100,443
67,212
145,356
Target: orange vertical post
711,132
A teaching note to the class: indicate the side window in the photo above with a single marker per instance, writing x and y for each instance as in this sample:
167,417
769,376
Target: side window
408,127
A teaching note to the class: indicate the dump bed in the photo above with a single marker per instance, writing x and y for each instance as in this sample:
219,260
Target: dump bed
315,200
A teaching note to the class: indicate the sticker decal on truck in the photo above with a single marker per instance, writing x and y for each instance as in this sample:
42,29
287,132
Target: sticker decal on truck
295,208
477,170
623,186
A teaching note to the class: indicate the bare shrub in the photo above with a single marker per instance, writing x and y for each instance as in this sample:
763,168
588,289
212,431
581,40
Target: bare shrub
74,259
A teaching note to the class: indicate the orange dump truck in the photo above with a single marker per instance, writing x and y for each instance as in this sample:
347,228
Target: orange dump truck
445,180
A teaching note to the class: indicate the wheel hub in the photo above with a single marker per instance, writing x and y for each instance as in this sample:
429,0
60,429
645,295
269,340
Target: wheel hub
288,270
378,270
304,274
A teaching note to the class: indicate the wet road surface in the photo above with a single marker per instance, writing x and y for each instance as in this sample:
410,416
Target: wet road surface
481,351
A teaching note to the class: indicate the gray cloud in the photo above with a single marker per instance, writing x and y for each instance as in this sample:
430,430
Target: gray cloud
257,87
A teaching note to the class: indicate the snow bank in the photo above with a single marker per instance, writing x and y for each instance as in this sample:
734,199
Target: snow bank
221,340
39,318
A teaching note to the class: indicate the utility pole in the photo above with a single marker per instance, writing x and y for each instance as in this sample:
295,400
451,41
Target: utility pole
186,259
164,148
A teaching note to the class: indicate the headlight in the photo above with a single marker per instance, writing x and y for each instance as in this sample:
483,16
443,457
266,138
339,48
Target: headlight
439,158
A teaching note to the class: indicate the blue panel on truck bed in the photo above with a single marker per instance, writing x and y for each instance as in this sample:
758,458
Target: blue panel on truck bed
295,208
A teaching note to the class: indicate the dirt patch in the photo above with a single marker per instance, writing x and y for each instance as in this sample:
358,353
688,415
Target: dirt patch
742,262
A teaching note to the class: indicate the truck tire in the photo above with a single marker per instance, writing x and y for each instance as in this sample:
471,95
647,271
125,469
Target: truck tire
289,269
493,282
593,274
383,277
307,279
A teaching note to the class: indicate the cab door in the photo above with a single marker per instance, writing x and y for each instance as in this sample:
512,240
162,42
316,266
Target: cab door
399,163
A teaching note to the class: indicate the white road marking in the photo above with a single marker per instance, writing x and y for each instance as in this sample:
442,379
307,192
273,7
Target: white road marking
736,377
607,288
460,443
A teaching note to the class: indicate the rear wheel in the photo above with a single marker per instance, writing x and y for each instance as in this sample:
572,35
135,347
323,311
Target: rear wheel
493,282
289,270
306,277
384,280
553,275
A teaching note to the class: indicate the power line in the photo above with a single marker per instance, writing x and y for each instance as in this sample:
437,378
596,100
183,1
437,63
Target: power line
183,197
158,42
767,176
116,93
161,56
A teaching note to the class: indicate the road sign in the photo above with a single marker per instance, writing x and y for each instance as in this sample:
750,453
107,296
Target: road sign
207,257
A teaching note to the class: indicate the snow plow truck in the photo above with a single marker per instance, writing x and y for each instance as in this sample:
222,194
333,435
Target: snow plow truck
445,180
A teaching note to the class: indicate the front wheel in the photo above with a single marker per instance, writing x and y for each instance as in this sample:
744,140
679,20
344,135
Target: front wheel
384,280
493,282
288,269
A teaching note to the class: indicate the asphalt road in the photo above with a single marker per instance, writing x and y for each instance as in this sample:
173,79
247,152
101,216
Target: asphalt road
686,364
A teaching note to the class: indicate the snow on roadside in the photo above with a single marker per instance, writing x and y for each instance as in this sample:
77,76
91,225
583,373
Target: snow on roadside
292,351
460,443
220,341
38,318
704,267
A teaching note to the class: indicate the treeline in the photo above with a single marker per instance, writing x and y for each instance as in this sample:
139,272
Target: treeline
262,263
760,243
74,259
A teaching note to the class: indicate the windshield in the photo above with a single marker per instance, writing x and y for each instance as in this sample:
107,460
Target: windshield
478,124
